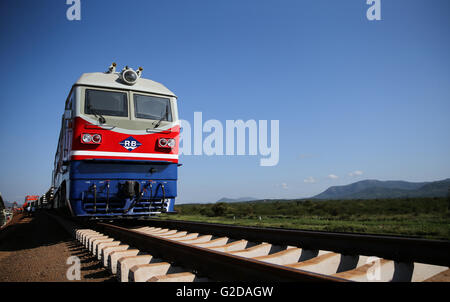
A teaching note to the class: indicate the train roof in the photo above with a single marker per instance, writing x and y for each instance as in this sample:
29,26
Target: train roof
112,80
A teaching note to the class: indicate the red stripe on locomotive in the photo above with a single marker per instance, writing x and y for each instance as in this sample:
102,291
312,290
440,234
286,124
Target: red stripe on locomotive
111,142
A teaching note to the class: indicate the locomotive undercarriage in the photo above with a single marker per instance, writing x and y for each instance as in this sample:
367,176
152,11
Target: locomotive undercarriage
132,198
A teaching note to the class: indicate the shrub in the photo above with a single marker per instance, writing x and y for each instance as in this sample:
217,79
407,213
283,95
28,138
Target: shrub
206,211
220,209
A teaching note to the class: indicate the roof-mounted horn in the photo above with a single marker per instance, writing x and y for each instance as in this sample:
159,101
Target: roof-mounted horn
112,68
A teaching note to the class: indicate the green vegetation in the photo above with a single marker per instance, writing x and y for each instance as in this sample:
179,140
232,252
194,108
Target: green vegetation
422,217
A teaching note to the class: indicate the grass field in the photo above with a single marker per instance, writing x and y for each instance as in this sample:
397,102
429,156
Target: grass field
418,217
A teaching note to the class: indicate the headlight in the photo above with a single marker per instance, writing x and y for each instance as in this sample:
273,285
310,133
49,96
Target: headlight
97,138
163,142
167,143
86,138
130,76
171,143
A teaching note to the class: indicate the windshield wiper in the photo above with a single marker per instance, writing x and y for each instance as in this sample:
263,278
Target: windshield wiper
162,117
100,117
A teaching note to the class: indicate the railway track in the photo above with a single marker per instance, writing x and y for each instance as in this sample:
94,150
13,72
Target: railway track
160,250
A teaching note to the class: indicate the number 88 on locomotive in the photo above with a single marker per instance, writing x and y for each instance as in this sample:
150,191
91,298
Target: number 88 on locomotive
117,153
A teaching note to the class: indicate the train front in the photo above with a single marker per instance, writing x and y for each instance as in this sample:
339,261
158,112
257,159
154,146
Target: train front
124,153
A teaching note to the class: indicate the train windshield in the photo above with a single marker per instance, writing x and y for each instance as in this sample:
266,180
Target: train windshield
151,107
99,102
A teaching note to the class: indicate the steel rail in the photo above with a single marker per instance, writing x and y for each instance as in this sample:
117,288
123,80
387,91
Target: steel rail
400,249
216,265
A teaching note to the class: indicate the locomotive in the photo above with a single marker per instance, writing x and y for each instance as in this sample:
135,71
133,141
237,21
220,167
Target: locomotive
117,153
30,200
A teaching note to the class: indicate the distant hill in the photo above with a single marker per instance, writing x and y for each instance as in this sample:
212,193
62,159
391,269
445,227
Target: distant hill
242,199
371,189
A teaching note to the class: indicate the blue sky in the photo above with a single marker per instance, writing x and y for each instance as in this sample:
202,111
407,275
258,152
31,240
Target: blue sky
350,94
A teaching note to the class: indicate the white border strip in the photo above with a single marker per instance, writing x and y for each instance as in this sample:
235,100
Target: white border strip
124,154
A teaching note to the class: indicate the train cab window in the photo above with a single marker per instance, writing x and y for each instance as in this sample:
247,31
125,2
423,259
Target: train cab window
151,107
100,102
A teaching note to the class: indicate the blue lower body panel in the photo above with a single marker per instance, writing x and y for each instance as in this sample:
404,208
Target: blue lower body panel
122,188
